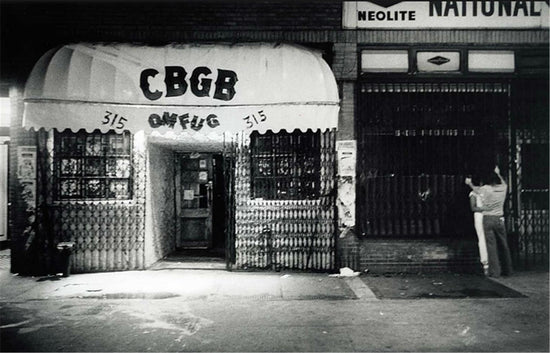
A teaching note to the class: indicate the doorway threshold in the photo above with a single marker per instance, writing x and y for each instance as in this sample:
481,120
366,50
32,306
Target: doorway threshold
192,259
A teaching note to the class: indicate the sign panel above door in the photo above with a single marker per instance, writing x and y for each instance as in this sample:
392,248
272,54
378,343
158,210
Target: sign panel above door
445,14
200,88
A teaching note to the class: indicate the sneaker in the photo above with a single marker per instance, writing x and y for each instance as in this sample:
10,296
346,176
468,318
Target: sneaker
486,270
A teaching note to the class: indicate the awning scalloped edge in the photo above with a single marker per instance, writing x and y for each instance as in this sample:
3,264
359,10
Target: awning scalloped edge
170,133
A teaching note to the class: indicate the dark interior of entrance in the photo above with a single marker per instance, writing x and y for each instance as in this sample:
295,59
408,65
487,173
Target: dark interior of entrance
218,207
200,203
416,144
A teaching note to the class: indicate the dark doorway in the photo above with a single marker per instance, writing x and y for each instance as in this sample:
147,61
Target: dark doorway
200,206
218,207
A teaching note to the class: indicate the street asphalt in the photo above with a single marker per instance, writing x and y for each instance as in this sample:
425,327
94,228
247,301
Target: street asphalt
212,310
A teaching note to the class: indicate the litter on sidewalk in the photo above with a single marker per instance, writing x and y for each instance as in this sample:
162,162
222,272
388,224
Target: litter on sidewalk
346,272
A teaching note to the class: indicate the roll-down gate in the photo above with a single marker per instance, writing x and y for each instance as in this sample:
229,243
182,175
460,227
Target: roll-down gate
416,144
418,141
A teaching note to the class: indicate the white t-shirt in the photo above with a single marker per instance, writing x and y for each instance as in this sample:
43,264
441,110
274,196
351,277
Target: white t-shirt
493,199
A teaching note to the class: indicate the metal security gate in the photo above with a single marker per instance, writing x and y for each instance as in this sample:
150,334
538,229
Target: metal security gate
90,190
416,144
229,159
530,229
285,233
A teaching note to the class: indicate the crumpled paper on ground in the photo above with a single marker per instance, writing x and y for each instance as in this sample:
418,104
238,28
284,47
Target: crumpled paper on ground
346,272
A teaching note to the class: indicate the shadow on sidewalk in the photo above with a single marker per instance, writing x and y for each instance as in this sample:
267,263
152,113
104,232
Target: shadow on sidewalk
443,285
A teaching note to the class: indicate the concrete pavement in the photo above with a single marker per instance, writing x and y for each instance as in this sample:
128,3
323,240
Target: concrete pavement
211,311
5,259
191,284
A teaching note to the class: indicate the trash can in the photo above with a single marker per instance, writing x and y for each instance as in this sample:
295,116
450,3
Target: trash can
65,249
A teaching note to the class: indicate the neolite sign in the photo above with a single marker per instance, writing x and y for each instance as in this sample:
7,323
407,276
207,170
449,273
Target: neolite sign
445,14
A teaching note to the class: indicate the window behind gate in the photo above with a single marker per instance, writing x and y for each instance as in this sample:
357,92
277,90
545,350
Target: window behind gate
93,166
416,144
285,166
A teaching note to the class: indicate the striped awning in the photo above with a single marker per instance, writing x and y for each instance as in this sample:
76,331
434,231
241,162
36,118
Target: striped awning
202,88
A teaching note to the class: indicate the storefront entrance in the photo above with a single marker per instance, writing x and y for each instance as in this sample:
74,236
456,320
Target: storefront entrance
199,189
190,156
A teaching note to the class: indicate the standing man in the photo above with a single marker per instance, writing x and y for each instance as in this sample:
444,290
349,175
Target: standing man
494,195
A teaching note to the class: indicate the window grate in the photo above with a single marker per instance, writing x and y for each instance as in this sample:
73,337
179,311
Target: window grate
285,166
92,166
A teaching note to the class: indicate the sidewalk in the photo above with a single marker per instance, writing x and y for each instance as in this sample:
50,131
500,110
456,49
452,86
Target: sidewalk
195,284
212,310
5,259
206,284
165,282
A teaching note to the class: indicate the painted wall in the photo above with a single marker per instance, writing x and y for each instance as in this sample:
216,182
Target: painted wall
160,239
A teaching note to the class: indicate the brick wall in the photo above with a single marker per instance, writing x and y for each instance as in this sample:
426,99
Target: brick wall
345,61
47,25
166,16
346,128
408,256
35,27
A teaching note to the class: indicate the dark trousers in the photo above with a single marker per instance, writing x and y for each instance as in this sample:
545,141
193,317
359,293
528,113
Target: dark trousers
500,260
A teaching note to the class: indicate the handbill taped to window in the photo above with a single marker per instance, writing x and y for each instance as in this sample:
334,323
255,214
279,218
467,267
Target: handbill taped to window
181,88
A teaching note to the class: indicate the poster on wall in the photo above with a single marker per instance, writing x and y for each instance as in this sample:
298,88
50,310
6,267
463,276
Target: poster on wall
26,168
26,174
346,157
346,152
